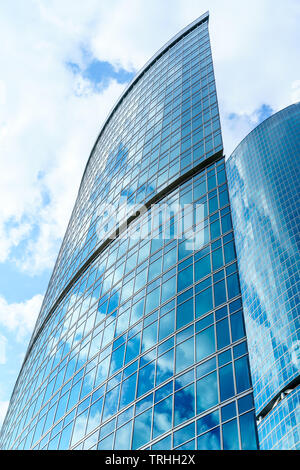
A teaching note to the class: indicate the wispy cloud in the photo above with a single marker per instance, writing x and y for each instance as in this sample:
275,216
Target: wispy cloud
19,318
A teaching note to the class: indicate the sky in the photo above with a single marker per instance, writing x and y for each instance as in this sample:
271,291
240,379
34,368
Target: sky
64,63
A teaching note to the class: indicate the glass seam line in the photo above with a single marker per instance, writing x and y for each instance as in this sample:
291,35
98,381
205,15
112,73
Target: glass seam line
117,231
291,386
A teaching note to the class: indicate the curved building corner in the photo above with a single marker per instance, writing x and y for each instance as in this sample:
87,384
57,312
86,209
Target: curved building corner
263,177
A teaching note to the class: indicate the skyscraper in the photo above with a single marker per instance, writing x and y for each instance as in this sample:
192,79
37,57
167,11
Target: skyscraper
140,342
263,177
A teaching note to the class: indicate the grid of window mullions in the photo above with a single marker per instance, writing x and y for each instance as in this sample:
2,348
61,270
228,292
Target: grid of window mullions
178,375
172,426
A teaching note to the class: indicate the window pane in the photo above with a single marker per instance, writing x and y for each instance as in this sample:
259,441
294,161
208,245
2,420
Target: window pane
229,252
184,313
123,437
208,422
210,440
149,337
146,379
111,403
165,365
185,278
223,337
202,267
163,444
226,382
207,392
205,343
233,287
184,405
168,289
217,258
230,436
133,348
220,293
242,375
162,421
184,434
142,428
237,326
184,355
248,431
166,325
128,391
204,302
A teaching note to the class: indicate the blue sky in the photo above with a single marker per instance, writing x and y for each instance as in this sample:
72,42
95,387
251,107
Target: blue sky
66,63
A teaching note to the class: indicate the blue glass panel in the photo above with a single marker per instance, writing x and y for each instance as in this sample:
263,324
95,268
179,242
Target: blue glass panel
162,420
208,422
209,441
223,336
207,392
206,367
142,429
230,435
184,404
248,431
165,366
149,337
117,358
203,302
184,313
168,289
107,443
237,326
184,355
202,267
128,391
185,278
242,375
111,403
219,293
133,348
163,444
217,259
123,437
233,287
228,411
146,379
166,325
229,252
205,343
184,434
245,403
226,382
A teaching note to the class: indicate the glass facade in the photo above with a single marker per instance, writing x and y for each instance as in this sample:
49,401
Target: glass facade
263,177
140,342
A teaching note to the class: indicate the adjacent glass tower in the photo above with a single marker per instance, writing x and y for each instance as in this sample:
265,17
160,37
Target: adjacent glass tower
264,180
140,342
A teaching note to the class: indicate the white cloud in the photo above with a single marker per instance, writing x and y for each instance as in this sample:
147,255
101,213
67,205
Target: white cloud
19,318
3,342
3,410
